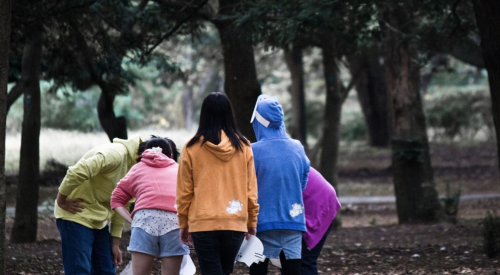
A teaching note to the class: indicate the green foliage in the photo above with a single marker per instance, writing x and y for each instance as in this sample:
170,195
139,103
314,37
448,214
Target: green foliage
491,234
278,23
459,114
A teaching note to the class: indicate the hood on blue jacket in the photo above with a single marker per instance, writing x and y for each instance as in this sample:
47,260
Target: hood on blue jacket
267,118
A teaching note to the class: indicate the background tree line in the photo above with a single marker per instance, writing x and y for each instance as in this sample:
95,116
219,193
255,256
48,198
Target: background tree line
125,47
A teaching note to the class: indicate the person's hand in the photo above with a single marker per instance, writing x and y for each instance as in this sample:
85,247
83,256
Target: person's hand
186,237
115,250
251,231
70,205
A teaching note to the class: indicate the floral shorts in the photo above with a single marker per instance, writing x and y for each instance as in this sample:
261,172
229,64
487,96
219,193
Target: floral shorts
166,245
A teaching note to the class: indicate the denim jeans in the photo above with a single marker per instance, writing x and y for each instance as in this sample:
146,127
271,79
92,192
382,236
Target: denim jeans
84,250
217,250
309,264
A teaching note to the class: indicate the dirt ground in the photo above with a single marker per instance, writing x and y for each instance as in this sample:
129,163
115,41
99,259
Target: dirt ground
370,241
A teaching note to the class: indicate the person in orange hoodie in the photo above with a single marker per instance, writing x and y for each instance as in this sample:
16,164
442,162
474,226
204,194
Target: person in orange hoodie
216,188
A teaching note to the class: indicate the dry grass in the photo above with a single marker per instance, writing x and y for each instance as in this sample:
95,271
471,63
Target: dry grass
67,147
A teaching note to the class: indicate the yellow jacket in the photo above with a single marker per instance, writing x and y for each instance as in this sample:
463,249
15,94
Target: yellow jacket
93,178
217,187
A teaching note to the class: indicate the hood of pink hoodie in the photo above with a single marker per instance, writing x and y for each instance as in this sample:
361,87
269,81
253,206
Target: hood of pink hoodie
156,159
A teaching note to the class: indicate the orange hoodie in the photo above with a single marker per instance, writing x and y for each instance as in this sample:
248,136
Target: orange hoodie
217,187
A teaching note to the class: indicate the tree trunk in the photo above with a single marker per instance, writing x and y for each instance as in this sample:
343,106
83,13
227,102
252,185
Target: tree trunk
293,59
331,122
488,22
5,15
26,220
112,125
333,109
240,76
416,195
372,95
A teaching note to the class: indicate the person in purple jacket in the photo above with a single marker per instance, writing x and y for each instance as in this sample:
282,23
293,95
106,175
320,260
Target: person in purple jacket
321,206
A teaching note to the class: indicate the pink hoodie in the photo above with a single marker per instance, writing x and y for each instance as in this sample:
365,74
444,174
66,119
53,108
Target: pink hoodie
320,205
152,182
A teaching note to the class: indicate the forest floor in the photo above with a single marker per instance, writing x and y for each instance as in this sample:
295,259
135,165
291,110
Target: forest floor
370,241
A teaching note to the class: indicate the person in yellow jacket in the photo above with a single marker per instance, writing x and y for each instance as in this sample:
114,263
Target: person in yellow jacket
216,188
83,209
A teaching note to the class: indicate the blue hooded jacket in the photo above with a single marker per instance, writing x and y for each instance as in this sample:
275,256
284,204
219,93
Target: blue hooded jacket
282,169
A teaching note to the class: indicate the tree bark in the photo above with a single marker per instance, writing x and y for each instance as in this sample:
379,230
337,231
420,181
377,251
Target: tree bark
372,94
5,18
115,127
240,76
333,109
26,220
416,195
331,122
488,22
293,59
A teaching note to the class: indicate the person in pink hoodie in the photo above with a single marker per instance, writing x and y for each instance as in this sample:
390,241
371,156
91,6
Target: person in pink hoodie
155,227
321,206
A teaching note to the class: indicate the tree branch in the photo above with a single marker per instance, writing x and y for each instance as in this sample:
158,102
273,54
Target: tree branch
176,27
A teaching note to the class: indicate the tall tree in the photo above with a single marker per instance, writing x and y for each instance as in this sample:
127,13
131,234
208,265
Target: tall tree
5,21
416,195
240,76
293,59
371,88
488,22
25,223
333,110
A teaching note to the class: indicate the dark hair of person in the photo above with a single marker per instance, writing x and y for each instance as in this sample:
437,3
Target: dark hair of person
140,150
171,150
216,115
163,143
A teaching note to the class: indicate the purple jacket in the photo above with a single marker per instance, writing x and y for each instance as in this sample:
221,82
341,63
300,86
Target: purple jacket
321,205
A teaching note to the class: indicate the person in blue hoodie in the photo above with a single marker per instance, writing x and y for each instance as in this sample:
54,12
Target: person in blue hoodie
282,169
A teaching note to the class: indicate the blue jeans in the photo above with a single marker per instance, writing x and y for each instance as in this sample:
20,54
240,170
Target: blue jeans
309,260
217,250
84,250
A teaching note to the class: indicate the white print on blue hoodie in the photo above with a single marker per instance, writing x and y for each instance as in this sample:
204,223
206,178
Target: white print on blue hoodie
282,168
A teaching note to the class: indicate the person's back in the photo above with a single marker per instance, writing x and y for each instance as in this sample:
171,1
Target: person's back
216,188
282,169
154,224
218,172
82,208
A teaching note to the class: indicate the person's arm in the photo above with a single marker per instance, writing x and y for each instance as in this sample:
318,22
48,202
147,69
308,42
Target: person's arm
185,188
70,205
305,174
122,197
122,211
115,250
253,206
76,175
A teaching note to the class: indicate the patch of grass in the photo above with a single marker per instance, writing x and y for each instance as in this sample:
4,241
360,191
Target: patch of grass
67,147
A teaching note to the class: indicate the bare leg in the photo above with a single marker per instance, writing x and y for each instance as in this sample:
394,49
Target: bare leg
171,265
142,263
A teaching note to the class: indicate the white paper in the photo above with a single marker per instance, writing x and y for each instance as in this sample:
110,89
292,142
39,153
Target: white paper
251,251
276,262
187,266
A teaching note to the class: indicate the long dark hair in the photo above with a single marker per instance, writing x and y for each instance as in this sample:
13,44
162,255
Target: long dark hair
216,115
